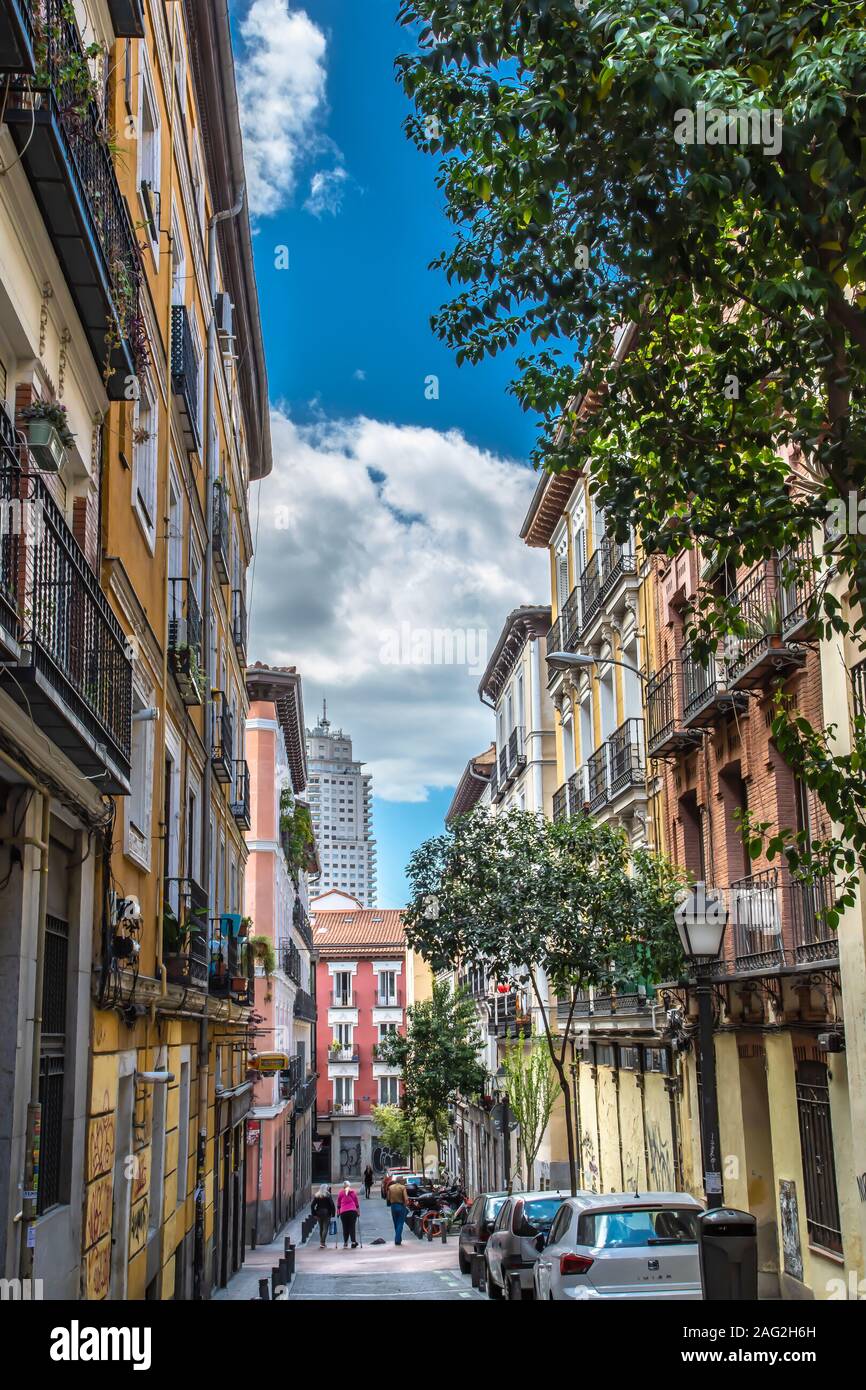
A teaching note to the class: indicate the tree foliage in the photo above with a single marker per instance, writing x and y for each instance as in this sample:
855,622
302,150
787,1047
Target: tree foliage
530,1082
437,1056
565,902
741,263
402,1131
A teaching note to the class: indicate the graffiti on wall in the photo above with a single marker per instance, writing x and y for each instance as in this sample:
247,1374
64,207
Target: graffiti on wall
661,1168
350,1158
100,1151
97,1219
590,1166
382,1157
99,1270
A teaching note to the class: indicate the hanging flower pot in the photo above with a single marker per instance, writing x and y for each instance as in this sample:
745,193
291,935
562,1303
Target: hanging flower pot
48,434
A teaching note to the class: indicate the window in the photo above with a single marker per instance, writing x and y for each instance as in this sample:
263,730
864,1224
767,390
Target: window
611,1230
389,1090
343,1099
52,1062
387,987
178,263
149,157
145,447
343,1034
655,1059
629,1058
559,1229
819,1169
139,802
343,987
183,1133
604,1055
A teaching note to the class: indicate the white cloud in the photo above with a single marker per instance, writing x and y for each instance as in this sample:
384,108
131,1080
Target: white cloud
370,532
359,374
281,87
326,192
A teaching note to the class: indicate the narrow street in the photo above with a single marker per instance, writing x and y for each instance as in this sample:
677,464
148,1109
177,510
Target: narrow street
415,1270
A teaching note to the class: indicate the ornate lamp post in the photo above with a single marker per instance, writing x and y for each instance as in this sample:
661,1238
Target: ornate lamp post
701,920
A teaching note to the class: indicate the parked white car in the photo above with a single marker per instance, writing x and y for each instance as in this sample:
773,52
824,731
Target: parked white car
620,1245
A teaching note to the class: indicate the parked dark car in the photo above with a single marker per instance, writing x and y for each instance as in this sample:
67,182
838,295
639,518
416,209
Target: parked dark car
476,1229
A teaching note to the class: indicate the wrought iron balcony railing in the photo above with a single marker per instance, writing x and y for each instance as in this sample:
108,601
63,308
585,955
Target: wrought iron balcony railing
389,999
560,803
184,377
626,766
350,1053
185,947
761,648
796,569
307,1094
62,137
290,961
291,1078
305,1006
232,968
73,671
184,640
343,1107
301,923
707,689
591,588
240,800
665,730
222,740
239,623
565,632
221,539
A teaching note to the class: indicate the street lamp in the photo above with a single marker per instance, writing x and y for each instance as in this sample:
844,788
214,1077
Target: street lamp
581,661
701,919
505,1121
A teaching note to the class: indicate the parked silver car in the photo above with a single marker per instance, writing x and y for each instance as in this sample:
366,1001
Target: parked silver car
513,1245
620,1245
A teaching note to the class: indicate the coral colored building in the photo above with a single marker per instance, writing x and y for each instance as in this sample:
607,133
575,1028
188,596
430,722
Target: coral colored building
280,1124
362,982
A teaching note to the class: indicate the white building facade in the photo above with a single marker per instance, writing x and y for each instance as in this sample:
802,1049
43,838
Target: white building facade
341,803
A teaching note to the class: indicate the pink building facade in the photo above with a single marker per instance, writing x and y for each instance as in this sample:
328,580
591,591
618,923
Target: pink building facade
361,993
281,1123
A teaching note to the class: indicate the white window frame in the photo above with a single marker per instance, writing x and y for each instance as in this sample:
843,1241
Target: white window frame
149,169
145,461
138,806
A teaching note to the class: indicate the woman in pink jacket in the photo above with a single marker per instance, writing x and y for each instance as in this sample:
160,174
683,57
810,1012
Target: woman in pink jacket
348,1210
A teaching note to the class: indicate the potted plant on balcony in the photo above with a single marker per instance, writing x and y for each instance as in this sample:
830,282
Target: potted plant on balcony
48,434
175,945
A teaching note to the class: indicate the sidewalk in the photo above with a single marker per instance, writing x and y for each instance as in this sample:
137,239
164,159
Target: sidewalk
259,1262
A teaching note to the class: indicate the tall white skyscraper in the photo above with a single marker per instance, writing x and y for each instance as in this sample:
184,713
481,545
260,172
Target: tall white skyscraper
341,801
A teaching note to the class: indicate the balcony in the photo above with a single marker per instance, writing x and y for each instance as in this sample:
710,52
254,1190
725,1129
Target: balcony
186,953
507,1018
184,641
305,1006
343,1107
239,624
306,1095
814,941
16,37
232,972
222,739
708,694
665,731
390,1000
344,1054
761,651
301,923
560,803
240,799
510,761
565,632
571,799
68,665
184,377
590,588
127,18
290,1078
796,589
757,922
61,136
290,961
220,539
341,999
625,758
591,1005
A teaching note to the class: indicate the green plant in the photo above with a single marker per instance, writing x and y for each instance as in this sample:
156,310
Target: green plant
530,1082
175,934
55,414
262,948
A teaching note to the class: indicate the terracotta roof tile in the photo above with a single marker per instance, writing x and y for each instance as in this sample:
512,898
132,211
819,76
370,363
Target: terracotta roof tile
346,933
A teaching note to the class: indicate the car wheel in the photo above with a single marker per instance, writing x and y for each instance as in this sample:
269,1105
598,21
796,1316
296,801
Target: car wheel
493,1289
463,1262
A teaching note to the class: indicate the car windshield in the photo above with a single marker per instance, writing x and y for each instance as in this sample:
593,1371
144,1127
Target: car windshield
494,1205
610,1230
540,1213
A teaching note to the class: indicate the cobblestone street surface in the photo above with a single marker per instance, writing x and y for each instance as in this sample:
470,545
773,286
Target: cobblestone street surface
417,1269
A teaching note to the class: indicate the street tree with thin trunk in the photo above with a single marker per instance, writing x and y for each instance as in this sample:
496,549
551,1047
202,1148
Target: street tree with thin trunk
693,173
530,1084
566,903
401,1130
437,1057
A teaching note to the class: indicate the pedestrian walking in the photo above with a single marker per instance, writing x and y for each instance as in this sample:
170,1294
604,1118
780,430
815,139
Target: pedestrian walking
368,1181
348,1210
398,1201
324,1211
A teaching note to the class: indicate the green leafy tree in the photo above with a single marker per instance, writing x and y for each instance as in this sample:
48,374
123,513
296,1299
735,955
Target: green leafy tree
401,1131
564,902
530,1082
592,186
437,1056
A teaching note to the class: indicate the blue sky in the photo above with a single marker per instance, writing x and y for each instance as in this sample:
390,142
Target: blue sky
387,510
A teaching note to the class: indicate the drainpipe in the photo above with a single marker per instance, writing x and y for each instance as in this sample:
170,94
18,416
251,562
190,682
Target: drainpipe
34,1109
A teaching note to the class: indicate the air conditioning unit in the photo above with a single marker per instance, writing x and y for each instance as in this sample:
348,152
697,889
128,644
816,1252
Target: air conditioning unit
223,308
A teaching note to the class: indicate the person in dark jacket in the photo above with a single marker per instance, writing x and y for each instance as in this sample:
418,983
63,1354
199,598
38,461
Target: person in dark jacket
368,1180
324,1211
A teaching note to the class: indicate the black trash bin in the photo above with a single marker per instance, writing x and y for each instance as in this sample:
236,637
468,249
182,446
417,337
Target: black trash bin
728,1246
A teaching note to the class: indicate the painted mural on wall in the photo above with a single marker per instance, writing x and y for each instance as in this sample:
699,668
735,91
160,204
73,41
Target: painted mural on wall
659,1159
790,1229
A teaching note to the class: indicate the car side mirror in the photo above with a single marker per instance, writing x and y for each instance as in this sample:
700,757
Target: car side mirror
540,1241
